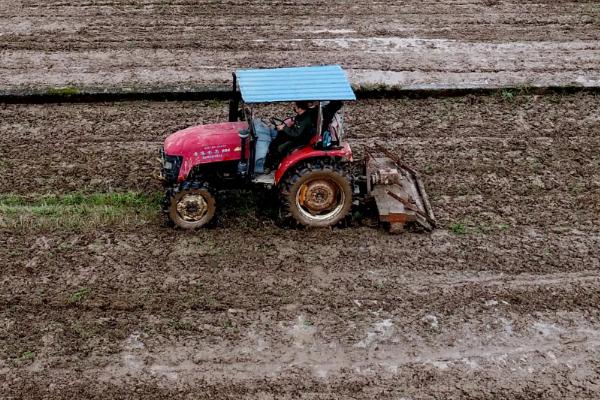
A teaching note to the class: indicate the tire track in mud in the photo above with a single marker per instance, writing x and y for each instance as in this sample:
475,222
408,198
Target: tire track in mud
383,350
323,361
386,291
393,278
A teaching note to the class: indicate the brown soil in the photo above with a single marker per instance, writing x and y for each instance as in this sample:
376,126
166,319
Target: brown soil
186,43
248,309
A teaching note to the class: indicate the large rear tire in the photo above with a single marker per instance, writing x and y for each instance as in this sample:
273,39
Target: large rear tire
192,207
317,193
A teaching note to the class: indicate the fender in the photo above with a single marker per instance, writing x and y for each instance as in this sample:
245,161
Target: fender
296,156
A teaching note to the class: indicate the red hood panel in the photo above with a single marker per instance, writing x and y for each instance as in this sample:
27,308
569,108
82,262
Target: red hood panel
206,143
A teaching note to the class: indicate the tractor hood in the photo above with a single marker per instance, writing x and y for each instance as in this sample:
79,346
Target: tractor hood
206,143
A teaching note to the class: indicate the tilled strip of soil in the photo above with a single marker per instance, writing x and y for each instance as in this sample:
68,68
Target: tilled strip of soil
485,161
185,43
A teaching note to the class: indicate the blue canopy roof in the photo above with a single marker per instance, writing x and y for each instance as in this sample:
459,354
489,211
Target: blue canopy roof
294,84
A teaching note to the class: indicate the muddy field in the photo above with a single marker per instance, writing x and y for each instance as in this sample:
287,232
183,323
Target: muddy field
189,44
506,310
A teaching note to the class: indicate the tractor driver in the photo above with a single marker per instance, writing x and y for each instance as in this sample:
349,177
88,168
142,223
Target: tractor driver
280,140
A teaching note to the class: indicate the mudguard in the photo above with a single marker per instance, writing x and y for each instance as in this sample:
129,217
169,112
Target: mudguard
343,152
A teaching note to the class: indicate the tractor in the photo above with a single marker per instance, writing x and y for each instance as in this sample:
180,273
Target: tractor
318,182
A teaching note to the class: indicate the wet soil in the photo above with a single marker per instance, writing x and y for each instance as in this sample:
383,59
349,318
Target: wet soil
532,160
249,309
182,43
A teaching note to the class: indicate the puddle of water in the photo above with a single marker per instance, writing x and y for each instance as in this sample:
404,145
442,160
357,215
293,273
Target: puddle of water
381,330
384,44
546,329
302,332
432,321
334,31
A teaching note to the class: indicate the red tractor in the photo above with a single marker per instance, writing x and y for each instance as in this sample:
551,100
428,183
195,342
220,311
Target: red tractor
314,180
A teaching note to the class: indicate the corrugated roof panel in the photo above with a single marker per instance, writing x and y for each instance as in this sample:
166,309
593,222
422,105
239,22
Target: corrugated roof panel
294,84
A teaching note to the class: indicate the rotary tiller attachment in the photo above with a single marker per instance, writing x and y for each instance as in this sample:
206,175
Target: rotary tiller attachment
397,190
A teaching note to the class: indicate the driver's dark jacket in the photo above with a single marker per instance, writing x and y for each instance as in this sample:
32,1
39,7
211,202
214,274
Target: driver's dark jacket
299,134
303,128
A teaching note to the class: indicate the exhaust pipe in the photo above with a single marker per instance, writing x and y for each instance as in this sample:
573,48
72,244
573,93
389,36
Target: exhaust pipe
243,164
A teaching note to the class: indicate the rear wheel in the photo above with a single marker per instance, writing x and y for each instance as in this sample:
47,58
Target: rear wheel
192,207
317,193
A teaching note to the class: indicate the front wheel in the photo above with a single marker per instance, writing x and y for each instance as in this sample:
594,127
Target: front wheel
192,208
317,193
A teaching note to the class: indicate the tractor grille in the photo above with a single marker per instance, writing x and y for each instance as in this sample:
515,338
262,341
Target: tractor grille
170,166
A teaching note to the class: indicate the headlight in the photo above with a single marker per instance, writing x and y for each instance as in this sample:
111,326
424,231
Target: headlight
170,167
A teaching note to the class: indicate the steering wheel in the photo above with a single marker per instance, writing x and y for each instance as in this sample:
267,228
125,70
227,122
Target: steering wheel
276,121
